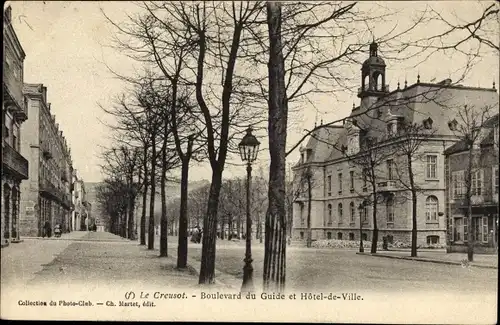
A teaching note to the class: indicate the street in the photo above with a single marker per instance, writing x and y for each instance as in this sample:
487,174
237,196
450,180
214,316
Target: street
341,269
99,264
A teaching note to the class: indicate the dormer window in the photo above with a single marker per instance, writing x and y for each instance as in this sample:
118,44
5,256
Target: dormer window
453,125
428,123
302,160
391,128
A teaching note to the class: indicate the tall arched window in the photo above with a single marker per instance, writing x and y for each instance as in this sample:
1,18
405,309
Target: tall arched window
329,213
352,211
390,210
431,208
340,212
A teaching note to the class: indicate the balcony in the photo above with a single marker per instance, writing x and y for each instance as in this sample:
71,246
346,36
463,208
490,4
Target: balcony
483,200
51,190
14,162
13,95
387,186
361,89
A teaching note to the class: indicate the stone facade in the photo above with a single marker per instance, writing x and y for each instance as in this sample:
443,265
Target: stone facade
46,198
80,212
14,113
336,155
484,198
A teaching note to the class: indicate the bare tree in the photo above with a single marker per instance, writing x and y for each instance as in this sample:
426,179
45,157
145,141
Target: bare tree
411,136
469,128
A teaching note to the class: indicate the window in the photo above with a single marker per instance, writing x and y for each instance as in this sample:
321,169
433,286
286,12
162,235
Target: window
351,236
340,212
458,230
365,236
485,229
340,183
365,213
431,208
389,169
339,236
495,180
476,182
390,210
466,229
390,129
433,239
301,235
329,182
329,213
302,158
351,177
458,183
365,178
431,166
352,212
329,235
14,143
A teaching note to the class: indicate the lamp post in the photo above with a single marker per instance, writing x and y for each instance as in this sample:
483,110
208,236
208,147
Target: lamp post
248,147
361,209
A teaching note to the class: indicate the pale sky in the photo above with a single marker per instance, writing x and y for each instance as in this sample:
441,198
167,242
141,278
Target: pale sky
64,49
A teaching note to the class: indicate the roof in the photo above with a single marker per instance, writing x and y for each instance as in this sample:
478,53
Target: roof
441,102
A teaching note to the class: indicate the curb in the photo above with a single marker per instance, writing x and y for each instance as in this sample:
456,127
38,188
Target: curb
420,259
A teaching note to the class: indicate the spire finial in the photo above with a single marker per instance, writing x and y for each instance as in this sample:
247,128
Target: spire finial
494,85
418,78
354,105
321,122
398,85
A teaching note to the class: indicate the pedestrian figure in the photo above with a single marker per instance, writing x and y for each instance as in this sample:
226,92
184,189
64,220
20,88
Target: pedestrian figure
47,229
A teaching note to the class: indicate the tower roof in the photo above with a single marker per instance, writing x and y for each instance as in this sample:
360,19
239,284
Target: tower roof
374,59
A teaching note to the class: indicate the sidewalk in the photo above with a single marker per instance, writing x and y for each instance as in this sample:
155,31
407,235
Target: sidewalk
480,260
20,261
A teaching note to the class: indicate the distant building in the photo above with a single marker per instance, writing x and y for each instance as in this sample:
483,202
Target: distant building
484,199
14,113
81,209
47,195
340,201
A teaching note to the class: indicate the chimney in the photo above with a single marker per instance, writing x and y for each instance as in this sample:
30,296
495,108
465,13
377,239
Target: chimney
44,94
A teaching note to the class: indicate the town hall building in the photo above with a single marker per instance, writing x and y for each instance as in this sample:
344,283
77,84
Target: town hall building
334,165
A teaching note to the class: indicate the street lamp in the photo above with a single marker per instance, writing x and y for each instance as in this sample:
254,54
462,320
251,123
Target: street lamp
361,209
249,147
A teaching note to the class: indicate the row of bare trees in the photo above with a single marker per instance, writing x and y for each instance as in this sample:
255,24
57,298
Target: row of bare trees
211,69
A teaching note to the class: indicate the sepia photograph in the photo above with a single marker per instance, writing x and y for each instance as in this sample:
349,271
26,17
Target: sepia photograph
263,161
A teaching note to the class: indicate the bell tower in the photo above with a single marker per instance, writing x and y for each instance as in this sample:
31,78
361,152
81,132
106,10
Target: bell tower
372,78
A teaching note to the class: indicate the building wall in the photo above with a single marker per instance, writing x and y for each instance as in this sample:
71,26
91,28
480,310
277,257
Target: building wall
400,228
14,114
41,138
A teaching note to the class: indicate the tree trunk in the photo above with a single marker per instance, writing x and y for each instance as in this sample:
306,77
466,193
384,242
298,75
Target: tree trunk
222,227
163,219
414,207
131,217
207,269
375,227
143,212
309,206
468,216
182,248
275,242
151,225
